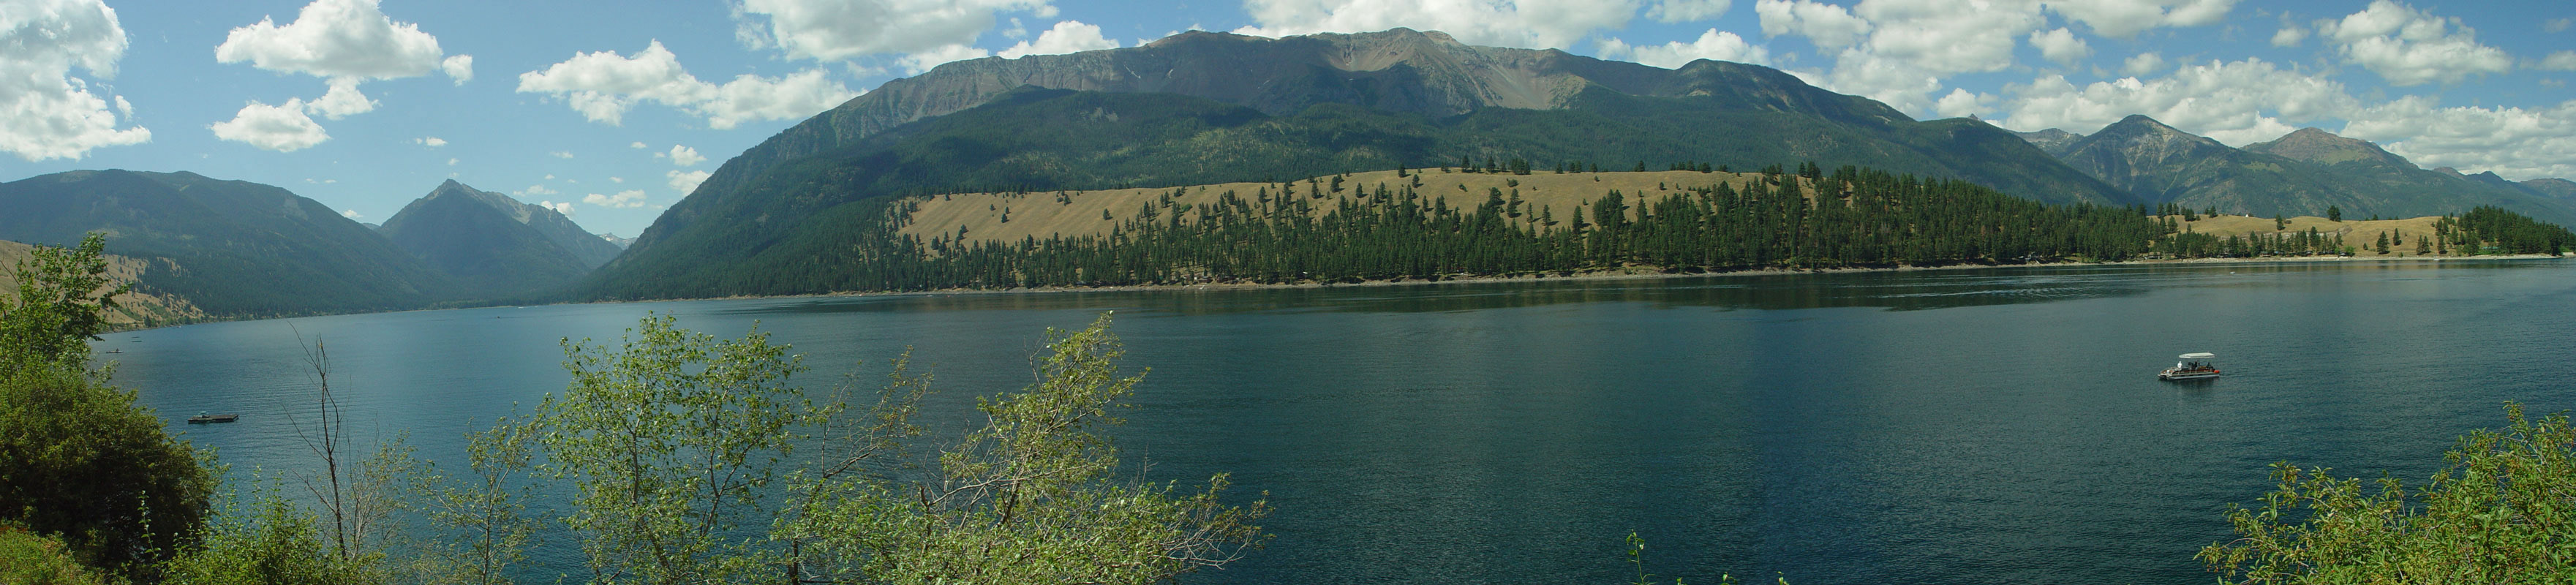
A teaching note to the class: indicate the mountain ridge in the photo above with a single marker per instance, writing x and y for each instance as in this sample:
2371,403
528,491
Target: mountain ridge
494,245
234,248
1398,70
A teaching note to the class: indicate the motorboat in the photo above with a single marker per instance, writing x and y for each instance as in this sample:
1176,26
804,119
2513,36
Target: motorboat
2194,366
203,418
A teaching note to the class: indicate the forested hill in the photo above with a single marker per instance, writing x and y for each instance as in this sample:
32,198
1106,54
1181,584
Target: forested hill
1512,219
1429,74
773,234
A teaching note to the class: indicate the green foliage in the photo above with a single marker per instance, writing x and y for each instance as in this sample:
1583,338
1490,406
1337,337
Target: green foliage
481,521
274,543
31,559
672,442
1031,497
2498,514
2507,231
61,304
85,464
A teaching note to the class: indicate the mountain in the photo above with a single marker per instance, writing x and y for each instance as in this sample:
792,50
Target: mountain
2389,185
232,248
2305,172
1202,108
2052,141
2162,164
2492,181
492,244
2559,188
621,243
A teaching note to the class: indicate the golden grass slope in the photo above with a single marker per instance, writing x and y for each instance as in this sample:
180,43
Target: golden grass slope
2363,235
1077,213
136,309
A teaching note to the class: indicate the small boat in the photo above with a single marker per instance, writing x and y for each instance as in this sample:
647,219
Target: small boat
203,418
2195,366
116,351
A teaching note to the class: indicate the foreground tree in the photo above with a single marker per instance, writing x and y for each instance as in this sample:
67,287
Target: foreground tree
2499,514
1034,496
672,441
79,461
62,301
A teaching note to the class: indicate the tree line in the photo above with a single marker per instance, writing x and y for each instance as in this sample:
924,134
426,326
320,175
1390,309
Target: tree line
1311,232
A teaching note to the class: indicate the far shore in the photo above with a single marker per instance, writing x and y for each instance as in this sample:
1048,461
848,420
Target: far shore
1598,275
1640,273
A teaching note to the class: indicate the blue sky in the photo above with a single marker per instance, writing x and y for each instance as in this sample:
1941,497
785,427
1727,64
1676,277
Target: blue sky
610,110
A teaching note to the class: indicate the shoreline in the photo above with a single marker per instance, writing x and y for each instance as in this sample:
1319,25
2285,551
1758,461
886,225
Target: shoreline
1604,275
1636,274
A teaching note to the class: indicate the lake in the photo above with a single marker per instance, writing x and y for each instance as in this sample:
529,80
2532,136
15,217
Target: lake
1943,426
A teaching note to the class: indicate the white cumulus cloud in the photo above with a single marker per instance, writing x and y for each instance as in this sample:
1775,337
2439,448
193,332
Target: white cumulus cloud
335,38
458,67
2235,102
2559,61
751,98
345,42
284,128
1826,25
1713,45
681,155
603,86
341,101
2411,47
2127,18
2142,64
839,30
564,207
924,60
2061,46
45,111
686,182
1960,104
638,145
2519,143
628,199
430,141
536,190
352,214
1071,36
1521,23
1673,11
2290,35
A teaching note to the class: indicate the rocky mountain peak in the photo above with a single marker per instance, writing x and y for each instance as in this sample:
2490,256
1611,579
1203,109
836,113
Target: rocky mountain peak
2053,141
2325,148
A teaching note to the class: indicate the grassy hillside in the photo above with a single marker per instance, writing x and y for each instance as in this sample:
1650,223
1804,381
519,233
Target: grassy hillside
141,308
2360,234
1081,213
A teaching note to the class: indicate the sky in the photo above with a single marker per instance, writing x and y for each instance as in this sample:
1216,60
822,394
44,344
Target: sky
611,111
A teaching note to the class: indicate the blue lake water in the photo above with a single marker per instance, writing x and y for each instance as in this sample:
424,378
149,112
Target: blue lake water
1951,426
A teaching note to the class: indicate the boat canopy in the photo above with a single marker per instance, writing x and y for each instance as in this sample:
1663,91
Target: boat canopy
2198,356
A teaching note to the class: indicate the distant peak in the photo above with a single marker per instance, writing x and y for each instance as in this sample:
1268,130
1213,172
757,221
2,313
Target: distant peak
2322,147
